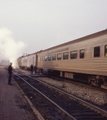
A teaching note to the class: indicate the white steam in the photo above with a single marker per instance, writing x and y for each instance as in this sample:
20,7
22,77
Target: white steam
10,49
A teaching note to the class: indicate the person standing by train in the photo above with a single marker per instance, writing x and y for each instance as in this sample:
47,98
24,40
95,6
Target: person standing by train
31,68
10,73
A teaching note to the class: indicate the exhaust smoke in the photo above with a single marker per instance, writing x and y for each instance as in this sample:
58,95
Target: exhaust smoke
10,49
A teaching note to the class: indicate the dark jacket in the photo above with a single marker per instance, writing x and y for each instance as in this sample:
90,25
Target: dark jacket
31,68
10,69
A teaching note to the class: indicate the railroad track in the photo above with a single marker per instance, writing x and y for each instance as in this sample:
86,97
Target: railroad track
72,107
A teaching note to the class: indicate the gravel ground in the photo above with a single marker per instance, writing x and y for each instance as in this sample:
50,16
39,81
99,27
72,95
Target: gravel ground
92,94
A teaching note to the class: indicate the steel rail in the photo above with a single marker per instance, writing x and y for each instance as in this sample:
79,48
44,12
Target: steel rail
98,109
65,112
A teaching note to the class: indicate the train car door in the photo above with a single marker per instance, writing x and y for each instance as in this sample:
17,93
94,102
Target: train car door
36,61
33,62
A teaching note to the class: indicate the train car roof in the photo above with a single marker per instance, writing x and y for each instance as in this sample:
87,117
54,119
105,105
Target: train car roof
100,33
29,54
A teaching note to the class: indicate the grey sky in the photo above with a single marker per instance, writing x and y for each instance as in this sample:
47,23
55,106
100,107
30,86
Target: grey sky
41,24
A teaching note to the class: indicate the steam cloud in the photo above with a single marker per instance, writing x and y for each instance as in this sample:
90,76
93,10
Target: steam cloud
10,49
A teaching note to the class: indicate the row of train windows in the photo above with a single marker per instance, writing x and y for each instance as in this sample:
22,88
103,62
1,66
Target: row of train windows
73,54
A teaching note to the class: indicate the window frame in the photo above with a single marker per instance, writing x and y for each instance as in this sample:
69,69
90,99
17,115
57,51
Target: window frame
64,58
43,58
81,54
48,57
57,56
97,54
71,54
105,54
53,56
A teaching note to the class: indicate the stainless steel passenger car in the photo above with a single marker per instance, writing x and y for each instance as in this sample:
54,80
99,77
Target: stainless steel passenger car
86,56
19,61
27,61
31,60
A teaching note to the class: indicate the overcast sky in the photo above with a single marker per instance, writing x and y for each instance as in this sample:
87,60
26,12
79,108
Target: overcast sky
41,24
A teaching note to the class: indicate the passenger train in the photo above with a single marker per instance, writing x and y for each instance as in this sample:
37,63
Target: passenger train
85,57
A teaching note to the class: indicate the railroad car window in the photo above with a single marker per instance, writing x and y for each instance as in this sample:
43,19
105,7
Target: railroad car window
73,54
59,56
97,51
81,53
54,57
49,58
65,55
105,50
45,58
